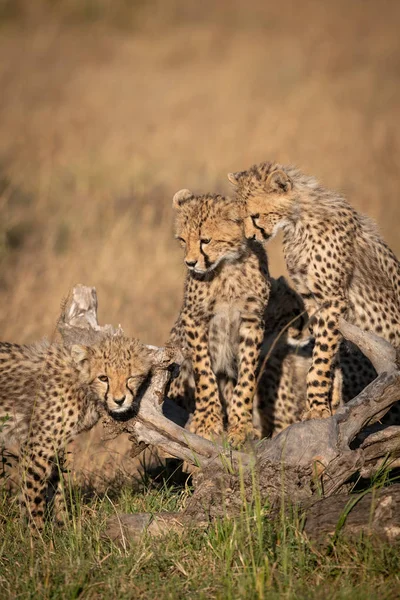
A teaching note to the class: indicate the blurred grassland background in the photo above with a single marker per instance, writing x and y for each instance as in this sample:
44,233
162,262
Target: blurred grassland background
107,107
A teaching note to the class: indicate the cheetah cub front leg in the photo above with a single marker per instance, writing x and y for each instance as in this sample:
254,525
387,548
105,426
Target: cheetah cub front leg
321,373
207,420
240,408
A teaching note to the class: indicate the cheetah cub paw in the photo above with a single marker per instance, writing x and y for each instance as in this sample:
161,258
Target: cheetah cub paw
316,413
239,434
207,430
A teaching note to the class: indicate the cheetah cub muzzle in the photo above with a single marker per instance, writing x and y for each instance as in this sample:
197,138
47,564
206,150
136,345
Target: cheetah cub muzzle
49,394
221,320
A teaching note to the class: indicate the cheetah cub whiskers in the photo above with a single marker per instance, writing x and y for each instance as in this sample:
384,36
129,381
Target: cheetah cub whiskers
336,258
49,394
221,320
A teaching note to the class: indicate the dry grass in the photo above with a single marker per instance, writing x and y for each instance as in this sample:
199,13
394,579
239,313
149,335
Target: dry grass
107,108
249,557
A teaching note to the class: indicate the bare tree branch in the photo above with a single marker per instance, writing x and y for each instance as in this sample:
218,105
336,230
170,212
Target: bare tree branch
381,450
368,407
381,354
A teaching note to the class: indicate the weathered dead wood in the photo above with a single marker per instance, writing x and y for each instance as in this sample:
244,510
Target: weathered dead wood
78,322
323,440
376,513
315,442
381,450
368,407
381,354
307,456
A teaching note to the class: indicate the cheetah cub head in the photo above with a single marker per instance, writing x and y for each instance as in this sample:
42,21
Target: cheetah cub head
210,230
115,370
267,190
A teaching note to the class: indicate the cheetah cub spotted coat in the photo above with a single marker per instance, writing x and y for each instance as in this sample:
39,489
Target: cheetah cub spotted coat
282,393
49,394
335,256
221,320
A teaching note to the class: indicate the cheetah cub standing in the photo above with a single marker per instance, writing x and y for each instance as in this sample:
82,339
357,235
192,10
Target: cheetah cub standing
336,259
221,320
49,394
282,390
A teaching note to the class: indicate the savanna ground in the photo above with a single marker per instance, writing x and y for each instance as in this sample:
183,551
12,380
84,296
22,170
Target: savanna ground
246,558
106,109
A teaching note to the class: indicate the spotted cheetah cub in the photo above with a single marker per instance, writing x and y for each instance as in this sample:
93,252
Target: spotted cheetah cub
221,320
282,390
50,394
336,258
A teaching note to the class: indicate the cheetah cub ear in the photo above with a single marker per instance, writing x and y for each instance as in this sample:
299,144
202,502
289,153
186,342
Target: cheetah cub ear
233,178
180,198
279,182
80,355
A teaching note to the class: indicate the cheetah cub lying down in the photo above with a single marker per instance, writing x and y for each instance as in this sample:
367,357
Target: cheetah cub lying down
49,394
221,320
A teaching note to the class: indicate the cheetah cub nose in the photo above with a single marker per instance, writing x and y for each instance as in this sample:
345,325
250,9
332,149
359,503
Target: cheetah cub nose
191,263
119,401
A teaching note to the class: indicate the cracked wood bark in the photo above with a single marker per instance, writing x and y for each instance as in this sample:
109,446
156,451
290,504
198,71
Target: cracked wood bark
376,513
294,460
380,352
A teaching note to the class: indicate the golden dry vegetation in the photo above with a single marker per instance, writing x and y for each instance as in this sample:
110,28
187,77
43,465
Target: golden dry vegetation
108,107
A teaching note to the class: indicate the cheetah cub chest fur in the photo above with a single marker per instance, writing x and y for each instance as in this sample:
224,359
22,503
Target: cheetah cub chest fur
221,320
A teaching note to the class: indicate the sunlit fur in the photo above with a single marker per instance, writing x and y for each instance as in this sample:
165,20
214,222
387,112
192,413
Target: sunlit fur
336,258
221,320
287,347
49,394
126,364
210,230
270,191
282,390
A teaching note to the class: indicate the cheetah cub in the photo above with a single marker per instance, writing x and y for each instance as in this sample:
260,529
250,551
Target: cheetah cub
221,320
336,258
49,394
282,391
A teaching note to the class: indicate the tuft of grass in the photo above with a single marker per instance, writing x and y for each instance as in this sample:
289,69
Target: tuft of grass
248,557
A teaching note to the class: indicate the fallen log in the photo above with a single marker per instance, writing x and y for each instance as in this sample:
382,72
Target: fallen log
345,516
316,458
374,514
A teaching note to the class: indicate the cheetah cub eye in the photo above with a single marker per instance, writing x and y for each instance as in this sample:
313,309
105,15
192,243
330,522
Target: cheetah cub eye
103,378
